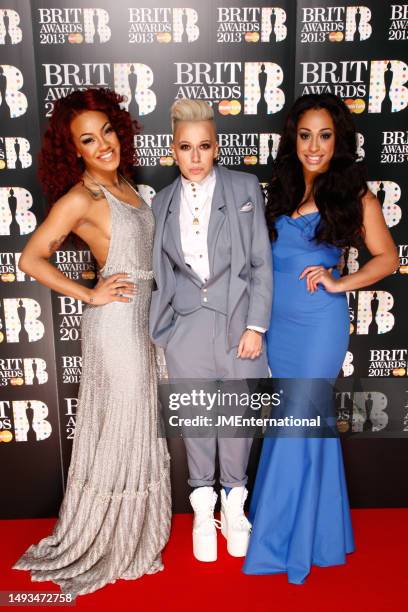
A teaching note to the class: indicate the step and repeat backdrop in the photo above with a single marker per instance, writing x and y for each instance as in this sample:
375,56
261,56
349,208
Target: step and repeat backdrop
250,60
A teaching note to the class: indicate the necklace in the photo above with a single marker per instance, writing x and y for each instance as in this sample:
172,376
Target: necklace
101,184
196,213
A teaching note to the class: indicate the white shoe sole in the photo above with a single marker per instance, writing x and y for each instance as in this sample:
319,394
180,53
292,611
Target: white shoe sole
237,541
205,547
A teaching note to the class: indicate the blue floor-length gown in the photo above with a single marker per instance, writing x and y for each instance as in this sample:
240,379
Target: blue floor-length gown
299,510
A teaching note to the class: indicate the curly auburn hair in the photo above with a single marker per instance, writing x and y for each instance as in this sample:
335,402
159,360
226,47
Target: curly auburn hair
337,192
59,167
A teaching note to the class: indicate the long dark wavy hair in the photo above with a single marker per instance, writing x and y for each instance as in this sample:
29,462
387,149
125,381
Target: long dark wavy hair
337,192
59,167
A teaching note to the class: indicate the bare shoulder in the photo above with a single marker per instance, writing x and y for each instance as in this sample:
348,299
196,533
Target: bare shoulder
76,202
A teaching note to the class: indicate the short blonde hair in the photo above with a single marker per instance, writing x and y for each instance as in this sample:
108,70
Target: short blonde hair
185,109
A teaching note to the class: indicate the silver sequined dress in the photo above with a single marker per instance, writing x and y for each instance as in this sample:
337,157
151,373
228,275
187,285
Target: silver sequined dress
115,517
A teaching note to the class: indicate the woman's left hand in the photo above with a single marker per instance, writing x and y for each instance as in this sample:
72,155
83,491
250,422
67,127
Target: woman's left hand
319,274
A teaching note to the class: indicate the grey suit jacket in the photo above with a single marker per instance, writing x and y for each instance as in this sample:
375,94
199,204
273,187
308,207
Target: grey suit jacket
246,295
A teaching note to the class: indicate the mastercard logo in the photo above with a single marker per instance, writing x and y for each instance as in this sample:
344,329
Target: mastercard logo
166,160
229,107
250,160
163,37
2,164
403,269
8,277
5,436
89,275
355,106
251,36
351,328
16,382
399,372
336,36
75,38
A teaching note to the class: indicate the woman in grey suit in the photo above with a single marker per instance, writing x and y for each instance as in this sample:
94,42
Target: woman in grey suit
212,266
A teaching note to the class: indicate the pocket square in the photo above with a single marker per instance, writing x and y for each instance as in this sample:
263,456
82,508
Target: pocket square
247,207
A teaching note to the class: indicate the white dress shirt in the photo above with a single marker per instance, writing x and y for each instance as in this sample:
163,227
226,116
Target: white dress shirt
195,205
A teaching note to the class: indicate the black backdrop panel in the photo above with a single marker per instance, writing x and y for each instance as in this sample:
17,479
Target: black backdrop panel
250,60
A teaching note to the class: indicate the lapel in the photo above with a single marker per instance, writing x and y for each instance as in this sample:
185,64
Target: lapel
237,285
173,220
217,218
237,248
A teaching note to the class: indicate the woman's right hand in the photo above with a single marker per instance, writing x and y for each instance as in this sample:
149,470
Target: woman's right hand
114,288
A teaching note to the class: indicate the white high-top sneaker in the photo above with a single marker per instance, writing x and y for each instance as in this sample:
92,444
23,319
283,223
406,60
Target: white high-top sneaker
203,500
235,526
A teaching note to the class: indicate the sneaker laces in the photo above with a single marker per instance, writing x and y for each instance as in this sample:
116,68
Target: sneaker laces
201,518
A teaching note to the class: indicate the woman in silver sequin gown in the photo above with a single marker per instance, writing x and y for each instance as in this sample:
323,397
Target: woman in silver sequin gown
115,517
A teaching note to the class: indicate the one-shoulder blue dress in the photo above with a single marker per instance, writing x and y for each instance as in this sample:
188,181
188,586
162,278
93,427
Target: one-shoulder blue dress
299,509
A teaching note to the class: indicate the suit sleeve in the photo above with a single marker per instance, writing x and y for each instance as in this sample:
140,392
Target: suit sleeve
260,301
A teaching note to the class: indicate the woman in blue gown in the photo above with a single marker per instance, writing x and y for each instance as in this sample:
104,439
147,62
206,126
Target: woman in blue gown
318,203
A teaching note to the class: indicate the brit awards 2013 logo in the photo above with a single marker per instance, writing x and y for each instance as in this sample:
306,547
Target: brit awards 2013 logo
398,28
394,147
76,264
233,85
370,312
388,362
388,194
251,24
10,31
9,270
24,421
16,216
69,318
247,148
16,371
378,86
133,80
73,25
153,150
14,153
13,102
71,369
335,24
163,25
20,321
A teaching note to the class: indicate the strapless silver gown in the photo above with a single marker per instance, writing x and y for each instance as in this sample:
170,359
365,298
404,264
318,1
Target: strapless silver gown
115,517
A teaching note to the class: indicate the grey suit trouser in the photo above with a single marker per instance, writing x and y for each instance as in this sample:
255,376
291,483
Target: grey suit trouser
197,349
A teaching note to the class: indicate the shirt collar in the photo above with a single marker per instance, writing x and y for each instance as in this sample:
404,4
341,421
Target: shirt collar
203,186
